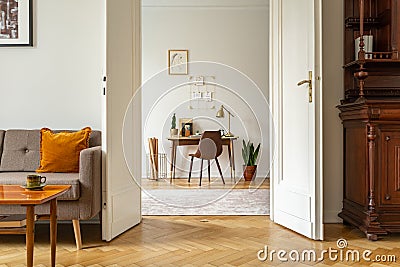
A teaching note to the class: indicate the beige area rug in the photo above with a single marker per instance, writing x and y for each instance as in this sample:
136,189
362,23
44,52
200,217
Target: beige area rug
205,202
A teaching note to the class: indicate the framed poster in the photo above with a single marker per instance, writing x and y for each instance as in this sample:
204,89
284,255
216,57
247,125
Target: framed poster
186,127
177,62
16,27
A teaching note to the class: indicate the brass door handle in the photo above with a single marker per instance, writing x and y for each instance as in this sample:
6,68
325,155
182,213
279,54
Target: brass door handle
303,82
309,81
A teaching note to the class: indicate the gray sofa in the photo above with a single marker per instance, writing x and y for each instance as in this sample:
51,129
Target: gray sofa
20,156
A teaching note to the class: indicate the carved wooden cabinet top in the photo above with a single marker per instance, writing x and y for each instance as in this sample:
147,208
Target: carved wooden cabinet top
371,48
371,109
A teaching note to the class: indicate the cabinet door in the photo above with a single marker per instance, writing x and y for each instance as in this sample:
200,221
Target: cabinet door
390,167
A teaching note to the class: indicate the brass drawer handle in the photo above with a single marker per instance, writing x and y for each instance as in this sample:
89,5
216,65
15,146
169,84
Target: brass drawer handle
387,197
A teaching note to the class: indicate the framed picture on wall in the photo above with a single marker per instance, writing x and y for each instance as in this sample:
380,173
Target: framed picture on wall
16,28
177,62
186,127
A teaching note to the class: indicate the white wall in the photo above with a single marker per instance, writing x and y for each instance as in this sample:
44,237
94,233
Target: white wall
56,83
234,33
333,92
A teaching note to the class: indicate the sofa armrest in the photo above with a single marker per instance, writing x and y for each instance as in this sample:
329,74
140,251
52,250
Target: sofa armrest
90,182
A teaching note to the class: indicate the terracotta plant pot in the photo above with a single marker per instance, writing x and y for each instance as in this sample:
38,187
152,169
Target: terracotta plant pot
249,172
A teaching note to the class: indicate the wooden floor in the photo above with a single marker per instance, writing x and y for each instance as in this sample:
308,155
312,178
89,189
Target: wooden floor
190,241
216,183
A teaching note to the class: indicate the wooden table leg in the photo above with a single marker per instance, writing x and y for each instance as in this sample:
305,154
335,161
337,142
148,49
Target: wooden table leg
175,145
173,149
30,234
233,160
230,157
53,230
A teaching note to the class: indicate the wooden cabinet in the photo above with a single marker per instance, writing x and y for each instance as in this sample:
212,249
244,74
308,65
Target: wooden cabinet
372,166
375,73
370,112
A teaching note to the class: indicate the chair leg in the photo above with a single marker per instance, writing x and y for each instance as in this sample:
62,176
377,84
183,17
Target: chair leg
201,171
77,231
190,169
219,169
209,171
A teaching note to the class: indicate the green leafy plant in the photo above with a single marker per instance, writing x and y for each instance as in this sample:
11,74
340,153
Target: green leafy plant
250,154
173,122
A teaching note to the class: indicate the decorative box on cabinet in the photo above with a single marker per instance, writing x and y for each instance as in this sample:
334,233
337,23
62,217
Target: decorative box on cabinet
372,165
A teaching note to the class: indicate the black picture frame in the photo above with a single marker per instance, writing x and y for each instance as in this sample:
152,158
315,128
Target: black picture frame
25,24
187,126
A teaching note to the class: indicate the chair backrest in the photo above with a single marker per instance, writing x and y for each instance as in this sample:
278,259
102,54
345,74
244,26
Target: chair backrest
210,145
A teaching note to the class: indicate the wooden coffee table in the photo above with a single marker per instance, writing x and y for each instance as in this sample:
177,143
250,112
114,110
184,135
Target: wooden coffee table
16,195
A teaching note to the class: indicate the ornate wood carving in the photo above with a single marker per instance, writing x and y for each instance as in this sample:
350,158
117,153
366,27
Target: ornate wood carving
371,136
376,18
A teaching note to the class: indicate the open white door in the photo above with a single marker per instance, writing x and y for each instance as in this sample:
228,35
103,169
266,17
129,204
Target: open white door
296,199
121,195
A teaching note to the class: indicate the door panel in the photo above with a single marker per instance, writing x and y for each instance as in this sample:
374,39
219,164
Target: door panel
121,195
300,207
297,56
296,199
355,161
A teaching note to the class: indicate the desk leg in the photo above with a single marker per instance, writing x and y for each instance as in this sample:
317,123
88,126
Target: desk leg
30,234
173,149
233,160
175,160
53,230
230,157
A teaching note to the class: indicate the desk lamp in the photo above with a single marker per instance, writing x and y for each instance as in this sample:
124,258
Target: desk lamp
221,114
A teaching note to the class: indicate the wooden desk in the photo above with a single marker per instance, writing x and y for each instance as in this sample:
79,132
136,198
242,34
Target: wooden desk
192,141
16,195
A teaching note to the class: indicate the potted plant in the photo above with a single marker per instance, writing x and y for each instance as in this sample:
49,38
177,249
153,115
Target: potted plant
173,131
249,155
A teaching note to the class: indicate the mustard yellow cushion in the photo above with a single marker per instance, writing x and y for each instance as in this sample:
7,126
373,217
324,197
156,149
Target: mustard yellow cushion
59,152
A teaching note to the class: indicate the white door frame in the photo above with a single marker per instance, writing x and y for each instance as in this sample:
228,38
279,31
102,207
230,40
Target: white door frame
276,108
276,105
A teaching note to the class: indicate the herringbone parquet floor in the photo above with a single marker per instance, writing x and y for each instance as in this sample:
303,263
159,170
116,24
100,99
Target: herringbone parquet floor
192,241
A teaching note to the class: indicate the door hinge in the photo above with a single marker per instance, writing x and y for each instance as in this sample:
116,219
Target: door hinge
104,88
